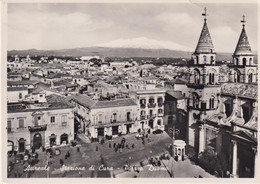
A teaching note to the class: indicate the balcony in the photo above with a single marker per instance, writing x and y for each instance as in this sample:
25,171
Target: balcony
151,116
160,104
37,128
151,105
143,106
113,121
142,117
10,130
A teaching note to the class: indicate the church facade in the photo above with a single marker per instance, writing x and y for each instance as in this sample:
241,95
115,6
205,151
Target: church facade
223,116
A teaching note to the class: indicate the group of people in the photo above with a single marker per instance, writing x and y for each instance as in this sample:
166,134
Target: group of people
121,145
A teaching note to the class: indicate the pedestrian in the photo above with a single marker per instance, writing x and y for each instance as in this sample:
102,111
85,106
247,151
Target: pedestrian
68,154
109,145
127,146
78,149
61,162
114,144
123,145
133,145
15,174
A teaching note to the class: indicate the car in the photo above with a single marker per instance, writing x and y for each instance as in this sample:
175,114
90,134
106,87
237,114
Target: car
158,131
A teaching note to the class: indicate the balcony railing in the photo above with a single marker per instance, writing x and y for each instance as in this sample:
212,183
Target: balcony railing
37,128
10,130
151,105
143,117
142,106
151,116
160,104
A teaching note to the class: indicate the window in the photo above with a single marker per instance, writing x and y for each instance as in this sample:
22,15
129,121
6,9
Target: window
100,118
64,124
114,117
211,78
36,120
41,95
20,95
212,59
196,77
159,122
151,100
64,118
205,58
160,111
52,119
21,123
142,113
250,77
151,112
195,99
211,103
244,61
9,126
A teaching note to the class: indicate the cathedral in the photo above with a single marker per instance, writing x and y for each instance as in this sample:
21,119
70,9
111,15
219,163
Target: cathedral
223,115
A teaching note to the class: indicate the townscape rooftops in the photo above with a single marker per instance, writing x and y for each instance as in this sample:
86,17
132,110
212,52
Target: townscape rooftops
22,82
56,101
89,103
240,90
53,102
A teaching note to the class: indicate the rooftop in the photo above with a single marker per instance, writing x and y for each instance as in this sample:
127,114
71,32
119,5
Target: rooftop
240,90
17,89
176,94
53,102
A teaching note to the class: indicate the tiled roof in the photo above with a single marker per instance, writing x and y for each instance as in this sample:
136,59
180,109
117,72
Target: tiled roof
56,101
82,100
176,94
89,103
114,103
23,82
240,89
243,46
205,44
53,102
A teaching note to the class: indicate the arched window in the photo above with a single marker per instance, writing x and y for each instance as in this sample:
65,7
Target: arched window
197,59
244,61
211,78
236,76
196,76
250,61
211,59
195,99
211,102
250,76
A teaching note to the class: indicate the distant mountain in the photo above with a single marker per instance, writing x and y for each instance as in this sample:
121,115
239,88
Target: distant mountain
113,52
145,43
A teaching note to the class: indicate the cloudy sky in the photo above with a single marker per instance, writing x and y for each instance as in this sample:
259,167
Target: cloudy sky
58,26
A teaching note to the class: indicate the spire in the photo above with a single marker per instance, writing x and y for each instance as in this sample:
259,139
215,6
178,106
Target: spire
205,44
243,46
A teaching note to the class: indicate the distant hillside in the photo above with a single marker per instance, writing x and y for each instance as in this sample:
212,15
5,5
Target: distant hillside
113,52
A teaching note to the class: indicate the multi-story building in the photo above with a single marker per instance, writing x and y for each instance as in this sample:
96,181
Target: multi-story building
150,109
105,118
40,124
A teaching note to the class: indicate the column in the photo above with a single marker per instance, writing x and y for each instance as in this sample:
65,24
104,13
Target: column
201,139
256,167
234,159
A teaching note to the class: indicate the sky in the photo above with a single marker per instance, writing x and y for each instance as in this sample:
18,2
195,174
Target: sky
73,25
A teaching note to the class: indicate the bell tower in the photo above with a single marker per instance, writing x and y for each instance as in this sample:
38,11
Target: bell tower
203,85
244,69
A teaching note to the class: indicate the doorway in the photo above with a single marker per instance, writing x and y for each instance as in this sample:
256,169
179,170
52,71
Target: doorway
21,145
37,141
